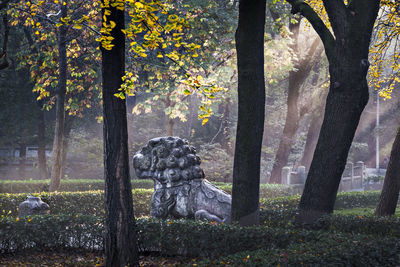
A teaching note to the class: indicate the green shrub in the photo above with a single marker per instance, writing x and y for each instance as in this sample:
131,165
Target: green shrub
35,186
51,231
368,225
330,250
266,190
257,246
88,202
347,200
184,237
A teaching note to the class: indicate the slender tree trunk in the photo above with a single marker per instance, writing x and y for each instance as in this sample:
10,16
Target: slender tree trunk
67,131
391,185
251,106
169,122
223,136
56,170
169,126
22,161
296,79
189,124
42,145
120,234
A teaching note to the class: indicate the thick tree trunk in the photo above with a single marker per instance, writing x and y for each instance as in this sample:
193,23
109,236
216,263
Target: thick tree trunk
42,146
391,185
22,161
251,104
347,51
56,170
342,113
120,228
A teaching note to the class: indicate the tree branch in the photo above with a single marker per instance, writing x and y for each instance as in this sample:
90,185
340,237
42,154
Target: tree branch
298,6
3,56
336,10
3,4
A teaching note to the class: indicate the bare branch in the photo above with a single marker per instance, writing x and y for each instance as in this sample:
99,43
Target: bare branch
298,6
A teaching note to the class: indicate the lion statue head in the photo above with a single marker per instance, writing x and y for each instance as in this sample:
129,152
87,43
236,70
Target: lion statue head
168,161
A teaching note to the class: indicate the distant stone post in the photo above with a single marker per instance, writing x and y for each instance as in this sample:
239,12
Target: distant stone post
359,166
301,174
285,175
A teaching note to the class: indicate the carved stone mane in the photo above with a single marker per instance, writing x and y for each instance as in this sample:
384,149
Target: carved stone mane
180,189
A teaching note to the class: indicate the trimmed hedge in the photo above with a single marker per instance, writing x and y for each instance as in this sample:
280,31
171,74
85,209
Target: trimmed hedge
89,202
92,202
347,200
332,250
260,246
36,186
51,231
266,190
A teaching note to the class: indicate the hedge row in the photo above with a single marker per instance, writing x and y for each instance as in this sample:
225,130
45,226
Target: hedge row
89,202
35,186
333,250
266,190
92,202
270,245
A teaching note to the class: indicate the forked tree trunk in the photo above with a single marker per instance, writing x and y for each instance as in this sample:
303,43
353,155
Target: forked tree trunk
391,185
120,228
347,53
251,104
296,79
58,143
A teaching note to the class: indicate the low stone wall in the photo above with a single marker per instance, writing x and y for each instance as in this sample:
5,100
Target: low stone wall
352,177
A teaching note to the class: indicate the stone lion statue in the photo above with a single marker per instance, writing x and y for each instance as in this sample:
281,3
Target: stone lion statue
180,189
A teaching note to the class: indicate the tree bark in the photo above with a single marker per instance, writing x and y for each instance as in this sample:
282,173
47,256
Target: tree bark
169,122
67,130
391,185
3,56
251,105
56,170
347,54
42,145
120,227
312,138
296,79
22,161
223,135
169,126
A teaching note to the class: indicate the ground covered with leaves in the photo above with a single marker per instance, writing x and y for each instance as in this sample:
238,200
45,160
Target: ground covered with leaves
80,258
